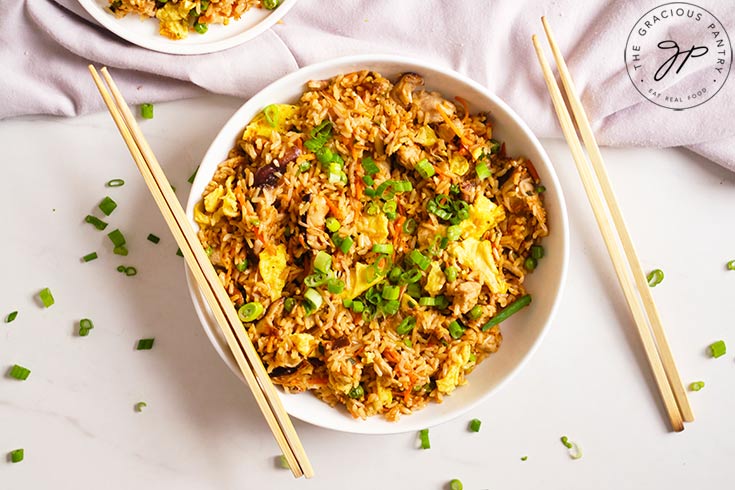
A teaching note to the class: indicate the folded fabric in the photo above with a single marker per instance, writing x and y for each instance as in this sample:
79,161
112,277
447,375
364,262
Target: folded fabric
46,46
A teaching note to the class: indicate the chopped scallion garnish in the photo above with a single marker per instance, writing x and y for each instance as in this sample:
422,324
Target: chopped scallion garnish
107,205
131,271
483,171
696,386
419,259
17,455
731,265
140,406
249,312
370,167
335,286
718,349
346,244
289,304
146,111
655,277
390,292
332,224
85,325
425,169
117,238
475,425
313,299
410,226
19,372
96,222
424,437
115,183
193,175
11,316
406,325
358,306
322,262
145,344
46,297
456,330
120,251
455,484
90,257
383,248
153,238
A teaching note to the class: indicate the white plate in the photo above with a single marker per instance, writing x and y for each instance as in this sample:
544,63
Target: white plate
522,332
144,32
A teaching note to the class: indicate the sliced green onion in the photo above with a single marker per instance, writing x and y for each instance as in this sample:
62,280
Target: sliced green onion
410,226
357,392
131,271
146,111
451,273
346,244
424,437
425,169
494,146
313,298
696,386
537,251
718,349
402,186
322,262
11,316
121,268
439,301
565,441
289,304
540,189
358,306
96,222
455,484
509,310
145,344
407,342
347,303
153,238
372,209
19,372
383,248
120,251
414,290
575,452
117,238
271,115
332,224
271,5
655,277
46,297
406,325
410,276
453,233
390,307
371,168
524,458
335,286
389,208
731,265
456,330
249,312
242,265
419,259
85,325
17,455
391,292
530,263
475,312
107,206
90,257
179,253
115,183
483,172
368,181
370,192
193,175
395,274
140,406
475,425
304,167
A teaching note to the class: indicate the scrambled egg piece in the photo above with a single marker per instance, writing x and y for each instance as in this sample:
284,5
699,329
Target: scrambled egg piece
384,394
374,227
280,119
202,218
435,279
459,165
211,200
305,343
229,201
478,255
484,214
173,19
359,281
449,382
272,267
425,136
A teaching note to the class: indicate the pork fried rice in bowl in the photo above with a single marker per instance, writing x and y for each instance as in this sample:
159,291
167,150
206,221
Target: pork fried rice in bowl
393,236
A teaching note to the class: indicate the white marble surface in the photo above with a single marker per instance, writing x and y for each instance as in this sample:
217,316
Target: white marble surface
202,430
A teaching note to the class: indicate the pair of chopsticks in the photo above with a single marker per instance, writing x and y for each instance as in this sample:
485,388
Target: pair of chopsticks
653,337
206,278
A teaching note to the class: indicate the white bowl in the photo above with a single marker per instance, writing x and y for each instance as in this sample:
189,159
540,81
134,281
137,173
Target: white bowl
218,37
521,333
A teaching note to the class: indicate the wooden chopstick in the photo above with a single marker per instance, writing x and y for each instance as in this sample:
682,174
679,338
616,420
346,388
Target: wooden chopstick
206,278
661,366
597,164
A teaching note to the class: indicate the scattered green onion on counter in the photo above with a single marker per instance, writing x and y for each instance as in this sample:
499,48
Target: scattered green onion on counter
115,183
96,222
475,425
19,372
145,344
107,205
146,111
424,438
696,386
46,297
718,349
90,257
655,277
11,316
85,325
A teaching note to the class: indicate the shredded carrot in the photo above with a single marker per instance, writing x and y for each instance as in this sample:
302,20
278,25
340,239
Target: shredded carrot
466,108
333,208
259,235
452,125
398,231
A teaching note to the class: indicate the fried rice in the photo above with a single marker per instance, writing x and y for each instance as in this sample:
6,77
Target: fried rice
373,235
178,17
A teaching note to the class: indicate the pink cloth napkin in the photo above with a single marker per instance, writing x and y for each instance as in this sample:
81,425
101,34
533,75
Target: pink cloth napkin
46,45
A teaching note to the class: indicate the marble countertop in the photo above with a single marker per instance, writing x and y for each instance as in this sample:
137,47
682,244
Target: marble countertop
589,380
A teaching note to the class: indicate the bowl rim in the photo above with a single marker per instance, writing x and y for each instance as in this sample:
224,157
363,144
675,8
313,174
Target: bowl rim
412,64
170,46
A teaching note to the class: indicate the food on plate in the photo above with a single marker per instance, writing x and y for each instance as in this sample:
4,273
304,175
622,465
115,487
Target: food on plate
176,18
373,235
